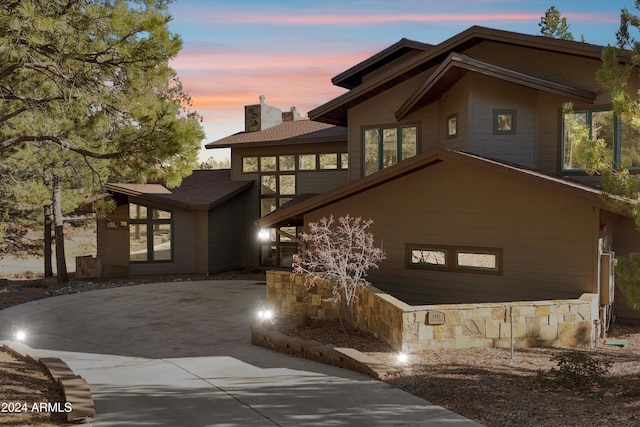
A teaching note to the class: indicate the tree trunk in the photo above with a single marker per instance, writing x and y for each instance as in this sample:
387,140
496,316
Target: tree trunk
48,253
61,263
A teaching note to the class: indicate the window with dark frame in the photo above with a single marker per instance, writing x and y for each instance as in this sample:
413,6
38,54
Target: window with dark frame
504,122
460,259
620,138
277,177
150,234
386,146
452,126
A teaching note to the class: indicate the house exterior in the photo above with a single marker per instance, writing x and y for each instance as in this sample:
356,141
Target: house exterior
206,224
463,156
203,226
287,157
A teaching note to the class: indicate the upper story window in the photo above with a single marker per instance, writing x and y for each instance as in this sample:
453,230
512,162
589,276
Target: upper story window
387,146
149,234
295,163
622,139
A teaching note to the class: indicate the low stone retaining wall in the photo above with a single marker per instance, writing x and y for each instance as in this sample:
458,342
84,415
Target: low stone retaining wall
78,405
568,323
347,358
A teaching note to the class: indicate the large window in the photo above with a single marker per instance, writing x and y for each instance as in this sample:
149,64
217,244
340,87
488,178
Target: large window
621,139
461,259
278,179
149,234
384,147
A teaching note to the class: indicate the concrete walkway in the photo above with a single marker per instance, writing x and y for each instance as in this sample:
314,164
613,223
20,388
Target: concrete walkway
178,354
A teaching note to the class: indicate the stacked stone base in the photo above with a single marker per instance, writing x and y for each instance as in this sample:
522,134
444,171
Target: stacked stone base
570,323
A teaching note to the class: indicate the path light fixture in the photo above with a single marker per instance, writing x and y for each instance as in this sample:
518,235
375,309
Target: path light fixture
402,358
19,334
265,314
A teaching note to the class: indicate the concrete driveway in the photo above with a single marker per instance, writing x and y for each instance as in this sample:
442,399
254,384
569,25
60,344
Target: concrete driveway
178,354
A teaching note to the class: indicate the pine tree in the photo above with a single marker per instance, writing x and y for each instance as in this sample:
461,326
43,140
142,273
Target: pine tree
87,85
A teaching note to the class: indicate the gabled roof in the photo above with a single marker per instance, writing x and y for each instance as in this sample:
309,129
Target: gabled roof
353,76
292,132
456,66
203,189
294,215
335,111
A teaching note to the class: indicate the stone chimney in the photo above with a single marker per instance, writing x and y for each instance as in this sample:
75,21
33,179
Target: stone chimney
290,116
261,116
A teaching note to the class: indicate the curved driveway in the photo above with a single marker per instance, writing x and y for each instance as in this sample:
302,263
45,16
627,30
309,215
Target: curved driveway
178,354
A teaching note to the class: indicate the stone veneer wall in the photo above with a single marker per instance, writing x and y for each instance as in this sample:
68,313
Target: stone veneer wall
412,328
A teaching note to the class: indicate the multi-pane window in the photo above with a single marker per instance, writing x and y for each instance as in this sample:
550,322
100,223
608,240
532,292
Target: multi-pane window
455,258
149,234
384,147
300,162
277,176
582,127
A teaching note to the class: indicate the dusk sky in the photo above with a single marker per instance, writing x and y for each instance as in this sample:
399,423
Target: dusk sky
235,51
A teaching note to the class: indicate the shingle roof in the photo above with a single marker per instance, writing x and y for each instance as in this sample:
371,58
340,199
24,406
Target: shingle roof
203,189
298,131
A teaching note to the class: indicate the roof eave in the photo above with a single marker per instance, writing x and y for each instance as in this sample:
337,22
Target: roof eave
353,76
427,159
281,142
463,62
332,111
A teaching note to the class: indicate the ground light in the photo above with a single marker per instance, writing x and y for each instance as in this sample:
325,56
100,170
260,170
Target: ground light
265,314
402,358
19,334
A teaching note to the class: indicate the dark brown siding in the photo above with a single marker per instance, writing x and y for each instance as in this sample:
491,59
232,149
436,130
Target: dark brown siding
549,240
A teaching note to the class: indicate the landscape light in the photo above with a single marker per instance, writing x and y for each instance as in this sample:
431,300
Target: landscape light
19,334
403,358
264,235
265,314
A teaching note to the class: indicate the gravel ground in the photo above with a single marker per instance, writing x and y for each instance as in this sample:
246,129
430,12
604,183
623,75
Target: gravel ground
487,386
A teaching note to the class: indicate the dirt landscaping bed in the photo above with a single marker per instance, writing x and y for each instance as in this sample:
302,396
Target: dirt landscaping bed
487,386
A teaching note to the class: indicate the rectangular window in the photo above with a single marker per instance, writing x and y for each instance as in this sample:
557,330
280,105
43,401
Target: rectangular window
287,163
477,260
268,185
428,257
580,128
452,126
267,205
344,160
504,122
249,164
455,259
629,146
329,161
150,236
287,185
387,146
307,162
268,164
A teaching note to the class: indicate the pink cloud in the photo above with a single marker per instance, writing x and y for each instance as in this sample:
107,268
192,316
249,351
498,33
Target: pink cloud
214,59
364,19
